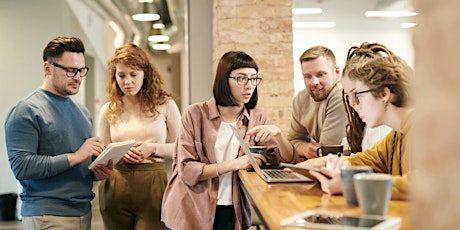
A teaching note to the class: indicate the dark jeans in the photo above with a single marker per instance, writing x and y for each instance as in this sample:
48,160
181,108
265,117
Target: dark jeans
225,218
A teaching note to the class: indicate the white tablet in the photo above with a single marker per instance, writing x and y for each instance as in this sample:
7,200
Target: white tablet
114,151
313,219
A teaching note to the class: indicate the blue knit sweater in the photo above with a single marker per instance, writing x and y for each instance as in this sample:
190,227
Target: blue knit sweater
40,131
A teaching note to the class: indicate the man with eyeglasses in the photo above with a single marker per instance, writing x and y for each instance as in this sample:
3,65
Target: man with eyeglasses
50,145
318,115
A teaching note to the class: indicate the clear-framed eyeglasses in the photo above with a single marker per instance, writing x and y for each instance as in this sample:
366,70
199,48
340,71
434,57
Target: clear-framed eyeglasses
243,80
72,72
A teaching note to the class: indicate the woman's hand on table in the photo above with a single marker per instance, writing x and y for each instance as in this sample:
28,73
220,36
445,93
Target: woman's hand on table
331,185
311,163
329,177
314,163
336,162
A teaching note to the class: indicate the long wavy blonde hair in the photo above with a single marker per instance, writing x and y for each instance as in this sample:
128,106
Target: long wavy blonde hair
151,94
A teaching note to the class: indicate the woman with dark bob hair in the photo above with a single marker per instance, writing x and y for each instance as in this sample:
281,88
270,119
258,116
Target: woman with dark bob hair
204,192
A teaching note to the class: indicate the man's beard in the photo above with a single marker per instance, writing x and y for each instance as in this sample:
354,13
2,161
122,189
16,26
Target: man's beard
320,96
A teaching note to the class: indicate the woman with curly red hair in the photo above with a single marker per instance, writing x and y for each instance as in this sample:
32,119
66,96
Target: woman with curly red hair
137,108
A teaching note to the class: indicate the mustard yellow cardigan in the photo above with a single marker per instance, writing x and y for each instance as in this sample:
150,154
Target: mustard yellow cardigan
391,155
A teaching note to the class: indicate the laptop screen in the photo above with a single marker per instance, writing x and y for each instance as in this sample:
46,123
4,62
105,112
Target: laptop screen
246,150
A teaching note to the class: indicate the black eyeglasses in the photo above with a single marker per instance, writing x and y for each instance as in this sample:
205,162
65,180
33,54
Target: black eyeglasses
244,80
356,97
72,72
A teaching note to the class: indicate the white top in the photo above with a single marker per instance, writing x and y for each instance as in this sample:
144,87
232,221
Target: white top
371,135
226,148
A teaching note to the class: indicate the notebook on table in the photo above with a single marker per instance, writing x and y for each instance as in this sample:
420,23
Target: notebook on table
269,175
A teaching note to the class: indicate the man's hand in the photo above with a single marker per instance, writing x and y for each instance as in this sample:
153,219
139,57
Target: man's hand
307,149
91,147
102,172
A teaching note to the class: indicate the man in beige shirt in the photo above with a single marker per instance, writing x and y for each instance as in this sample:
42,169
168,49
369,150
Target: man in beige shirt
318,114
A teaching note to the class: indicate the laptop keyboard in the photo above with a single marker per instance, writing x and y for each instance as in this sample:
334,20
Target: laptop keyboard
280,174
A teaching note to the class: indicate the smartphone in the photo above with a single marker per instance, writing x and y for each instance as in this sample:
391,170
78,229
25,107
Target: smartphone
313,219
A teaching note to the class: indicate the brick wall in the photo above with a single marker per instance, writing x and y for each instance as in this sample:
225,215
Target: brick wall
263,29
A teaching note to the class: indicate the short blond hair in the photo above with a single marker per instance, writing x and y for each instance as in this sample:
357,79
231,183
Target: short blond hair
316,52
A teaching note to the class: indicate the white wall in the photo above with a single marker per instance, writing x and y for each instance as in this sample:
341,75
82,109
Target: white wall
340,40
199,41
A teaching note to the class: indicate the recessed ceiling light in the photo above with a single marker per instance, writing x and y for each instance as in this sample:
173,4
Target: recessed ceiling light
313,24
382,13
161,46
158,26
307,10
145,17
158,38
406,25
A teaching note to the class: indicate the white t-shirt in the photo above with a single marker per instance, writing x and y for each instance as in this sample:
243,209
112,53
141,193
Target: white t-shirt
226,148
371,135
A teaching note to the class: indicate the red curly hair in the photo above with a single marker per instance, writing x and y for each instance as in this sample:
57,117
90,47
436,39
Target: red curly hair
151,94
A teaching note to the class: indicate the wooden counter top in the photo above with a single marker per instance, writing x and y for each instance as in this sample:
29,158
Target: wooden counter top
277,201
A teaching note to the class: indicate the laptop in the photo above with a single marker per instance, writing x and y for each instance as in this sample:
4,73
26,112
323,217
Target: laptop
269,175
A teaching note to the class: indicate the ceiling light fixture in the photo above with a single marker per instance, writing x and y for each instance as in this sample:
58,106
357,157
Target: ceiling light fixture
156,33
313,24
158,38
407,25
389,13
158,25
145,11
307,10
161,46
